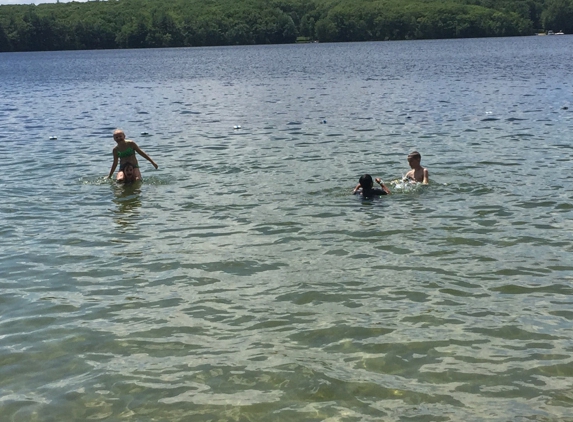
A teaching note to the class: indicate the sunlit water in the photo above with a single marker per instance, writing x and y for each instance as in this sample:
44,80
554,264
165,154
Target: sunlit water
242,280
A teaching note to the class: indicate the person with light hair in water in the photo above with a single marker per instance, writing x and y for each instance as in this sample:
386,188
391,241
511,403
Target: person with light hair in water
366,189
124,152
418,173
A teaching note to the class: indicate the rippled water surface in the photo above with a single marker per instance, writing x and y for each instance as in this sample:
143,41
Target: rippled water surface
242,281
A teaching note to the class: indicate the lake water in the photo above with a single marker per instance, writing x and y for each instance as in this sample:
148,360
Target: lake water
242,281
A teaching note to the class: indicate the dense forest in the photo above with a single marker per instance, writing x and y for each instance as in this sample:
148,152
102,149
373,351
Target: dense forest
183,23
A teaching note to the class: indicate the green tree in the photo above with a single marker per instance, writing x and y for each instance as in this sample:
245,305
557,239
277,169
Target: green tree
5,44
155,23
307,25
558,15
325,30
134,34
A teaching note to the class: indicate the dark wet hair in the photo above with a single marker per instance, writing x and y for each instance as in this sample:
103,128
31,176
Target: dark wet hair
415,154
367,186
128,164
366,181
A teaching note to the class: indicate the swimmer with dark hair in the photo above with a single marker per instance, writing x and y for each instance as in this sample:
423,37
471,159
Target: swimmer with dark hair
129,175
366,188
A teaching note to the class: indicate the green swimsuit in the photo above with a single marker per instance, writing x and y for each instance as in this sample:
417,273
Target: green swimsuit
128,152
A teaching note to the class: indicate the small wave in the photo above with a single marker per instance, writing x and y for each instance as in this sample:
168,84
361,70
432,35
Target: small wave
95,181
402,186
157,180
102,180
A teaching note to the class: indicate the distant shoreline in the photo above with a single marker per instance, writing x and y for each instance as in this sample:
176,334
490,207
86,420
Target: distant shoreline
98,25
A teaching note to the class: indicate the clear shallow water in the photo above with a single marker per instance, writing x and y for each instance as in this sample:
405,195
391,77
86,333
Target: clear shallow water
241,280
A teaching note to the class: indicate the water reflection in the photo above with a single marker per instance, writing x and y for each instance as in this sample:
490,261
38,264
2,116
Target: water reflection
128,201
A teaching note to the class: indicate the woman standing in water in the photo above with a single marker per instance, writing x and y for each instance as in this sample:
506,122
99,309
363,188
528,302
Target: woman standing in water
125,151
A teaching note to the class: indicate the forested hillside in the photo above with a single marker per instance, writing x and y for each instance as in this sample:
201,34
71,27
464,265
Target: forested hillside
178,23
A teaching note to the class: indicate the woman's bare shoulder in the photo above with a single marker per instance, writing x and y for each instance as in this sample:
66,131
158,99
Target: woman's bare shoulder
131,143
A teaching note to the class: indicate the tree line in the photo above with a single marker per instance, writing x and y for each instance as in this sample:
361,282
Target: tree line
185,23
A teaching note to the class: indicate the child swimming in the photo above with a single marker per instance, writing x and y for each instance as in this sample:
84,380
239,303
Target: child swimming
366,189
128,174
